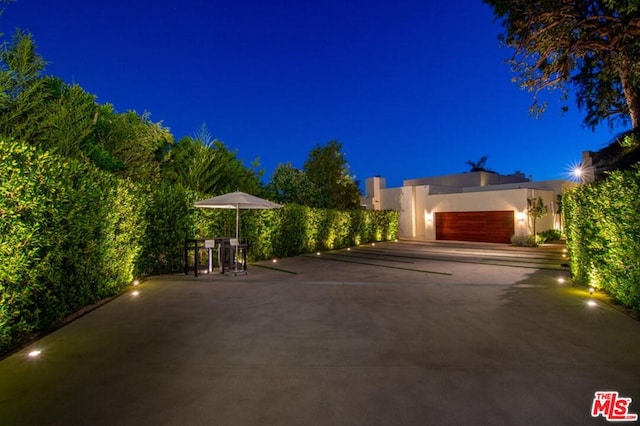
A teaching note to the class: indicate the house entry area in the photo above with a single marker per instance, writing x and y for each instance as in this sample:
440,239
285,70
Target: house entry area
479,226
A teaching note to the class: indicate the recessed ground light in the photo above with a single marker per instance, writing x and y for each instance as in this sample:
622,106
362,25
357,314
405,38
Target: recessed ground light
34,353
317,253
348,248
592,303
561,280
135,293
373,244
275,260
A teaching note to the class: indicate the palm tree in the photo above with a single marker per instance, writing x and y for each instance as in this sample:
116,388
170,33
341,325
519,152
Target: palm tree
478,166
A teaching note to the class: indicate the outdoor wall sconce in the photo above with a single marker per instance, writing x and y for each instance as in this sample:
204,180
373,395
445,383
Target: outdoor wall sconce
520,216
428,217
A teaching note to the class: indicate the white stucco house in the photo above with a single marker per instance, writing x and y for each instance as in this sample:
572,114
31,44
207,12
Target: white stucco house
474,206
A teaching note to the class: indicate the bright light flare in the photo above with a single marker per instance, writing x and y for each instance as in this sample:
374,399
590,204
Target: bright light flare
561,280
578,172
135,293
275,260
136,282
592,303
34,353
317,253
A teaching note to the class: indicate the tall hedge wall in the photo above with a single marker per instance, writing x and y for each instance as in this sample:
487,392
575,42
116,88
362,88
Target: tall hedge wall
602,223
71,235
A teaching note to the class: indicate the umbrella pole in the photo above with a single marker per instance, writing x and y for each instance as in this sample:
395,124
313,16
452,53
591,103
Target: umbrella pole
235,250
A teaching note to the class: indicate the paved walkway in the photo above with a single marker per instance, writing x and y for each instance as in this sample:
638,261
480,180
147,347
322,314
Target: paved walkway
392,334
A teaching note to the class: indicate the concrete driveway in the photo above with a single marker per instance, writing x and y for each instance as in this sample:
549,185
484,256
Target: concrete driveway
393,334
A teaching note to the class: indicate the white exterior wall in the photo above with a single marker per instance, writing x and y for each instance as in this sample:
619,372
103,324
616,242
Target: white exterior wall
417,206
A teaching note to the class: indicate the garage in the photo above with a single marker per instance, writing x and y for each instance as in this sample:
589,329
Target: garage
487,226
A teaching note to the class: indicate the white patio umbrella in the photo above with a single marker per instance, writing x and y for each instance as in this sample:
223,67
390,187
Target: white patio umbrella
237,200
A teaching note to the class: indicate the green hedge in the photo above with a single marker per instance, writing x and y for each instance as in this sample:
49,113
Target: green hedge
71,235
295,229
602,223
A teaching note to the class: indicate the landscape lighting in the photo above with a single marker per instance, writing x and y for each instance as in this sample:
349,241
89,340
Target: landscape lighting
561,280
275,260
591,290
136,282
34,353
592,303
135,293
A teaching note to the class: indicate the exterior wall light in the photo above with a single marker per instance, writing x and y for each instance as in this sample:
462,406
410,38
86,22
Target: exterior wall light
520,216
428,217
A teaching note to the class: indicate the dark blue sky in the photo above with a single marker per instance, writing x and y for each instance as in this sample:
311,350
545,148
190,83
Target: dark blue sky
411,88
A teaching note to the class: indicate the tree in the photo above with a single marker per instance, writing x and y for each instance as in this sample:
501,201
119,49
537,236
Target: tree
206,165
536,210
136,143
291,185
328,170
479,166
592,45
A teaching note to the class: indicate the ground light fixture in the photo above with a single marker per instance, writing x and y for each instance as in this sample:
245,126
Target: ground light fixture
317,253
135,293
136,282
275,260
591,290
561,280
592,303
34,353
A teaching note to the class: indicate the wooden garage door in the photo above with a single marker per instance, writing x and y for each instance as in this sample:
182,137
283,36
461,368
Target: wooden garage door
489,227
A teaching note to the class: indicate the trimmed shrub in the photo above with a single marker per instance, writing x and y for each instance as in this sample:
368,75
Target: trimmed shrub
69,236
549,235
523,241
602,223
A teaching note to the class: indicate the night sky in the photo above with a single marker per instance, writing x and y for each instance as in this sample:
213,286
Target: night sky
411,88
